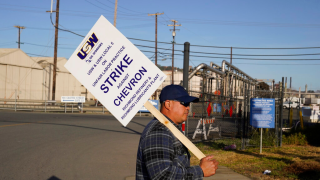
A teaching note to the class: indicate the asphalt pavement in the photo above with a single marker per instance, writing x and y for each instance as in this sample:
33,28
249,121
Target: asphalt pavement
57,146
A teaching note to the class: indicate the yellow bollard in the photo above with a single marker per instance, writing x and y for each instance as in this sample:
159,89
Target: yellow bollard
301,120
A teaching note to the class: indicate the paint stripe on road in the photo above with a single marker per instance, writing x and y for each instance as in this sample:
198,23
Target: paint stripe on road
18,124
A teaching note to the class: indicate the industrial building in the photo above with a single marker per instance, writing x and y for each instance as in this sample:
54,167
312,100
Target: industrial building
25,77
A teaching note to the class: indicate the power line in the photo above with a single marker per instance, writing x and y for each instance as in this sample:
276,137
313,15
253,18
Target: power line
152,41
121,7
280,64
243,23
37,55
64,29
46,46
258,54
198,45
234,54
193,21
256,48
153,47
127,9
258,58
204,21
227,46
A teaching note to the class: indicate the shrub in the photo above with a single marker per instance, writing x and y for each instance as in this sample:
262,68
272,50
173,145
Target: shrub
310,134
294,139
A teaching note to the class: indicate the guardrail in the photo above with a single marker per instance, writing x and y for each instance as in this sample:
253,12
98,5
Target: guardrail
48,106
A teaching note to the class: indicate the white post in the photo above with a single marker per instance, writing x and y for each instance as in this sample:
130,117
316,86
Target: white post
15,103
261,141
82,108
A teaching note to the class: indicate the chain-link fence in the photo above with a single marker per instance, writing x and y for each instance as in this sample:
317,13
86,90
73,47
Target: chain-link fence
221,118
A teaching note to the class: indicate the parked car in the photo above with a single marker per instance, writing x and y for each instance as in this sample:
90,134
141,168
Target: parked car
292,105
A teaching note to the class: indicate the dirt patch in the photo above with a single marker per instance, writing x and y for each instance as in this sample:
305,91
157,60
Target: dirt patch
303,167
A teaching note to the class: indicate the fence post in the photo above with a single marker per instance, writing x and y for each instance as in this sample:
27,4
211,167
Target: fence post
15,103
281,111
261,141
277,117
82,107
72,107
244,116
186,54
65,107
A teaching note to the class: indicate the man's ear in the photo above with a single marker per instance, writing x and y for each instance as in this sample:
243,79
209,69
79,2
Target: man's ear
167,105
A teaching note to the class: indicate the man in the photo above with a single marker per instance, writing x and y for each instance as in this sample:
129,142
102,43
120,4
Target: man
160,154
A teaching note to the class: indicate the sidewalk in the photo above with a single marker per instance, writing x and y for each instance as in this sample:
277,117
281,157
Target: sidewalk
223,173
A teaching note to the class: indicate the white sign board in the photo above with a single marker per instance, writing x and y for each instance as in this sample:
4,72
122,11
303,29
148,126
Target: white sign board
73,99
117,73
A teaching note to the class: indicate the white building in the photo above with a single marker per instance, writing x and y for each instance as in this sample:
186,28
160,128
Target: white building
31,77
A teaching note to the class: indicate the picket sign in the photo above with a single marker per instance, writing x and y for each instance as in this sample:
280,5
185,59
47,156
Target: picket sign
120,76
203,130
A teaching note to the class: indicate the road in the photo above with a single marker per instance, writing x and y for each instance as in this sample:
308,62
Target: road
67,146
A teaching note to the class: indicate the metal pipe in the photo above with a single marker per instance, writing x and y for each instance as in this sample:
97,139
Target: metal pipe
224,63
204,66
216,65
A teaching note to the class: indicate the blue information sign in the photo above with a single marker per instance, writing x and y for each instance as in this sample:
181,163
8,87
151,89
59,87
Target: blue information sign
155,103
218,107
262,112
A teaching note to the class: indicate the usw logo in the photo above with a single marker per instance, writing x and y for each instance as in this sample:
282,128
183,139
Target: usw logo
87,47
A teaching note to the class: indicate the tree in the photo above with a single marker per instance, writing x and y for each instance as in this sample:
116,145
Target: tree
263,86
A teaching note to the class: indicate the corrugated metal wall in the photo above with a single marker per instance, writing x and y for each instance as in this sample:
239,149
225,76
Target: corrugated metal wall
22,74
3,74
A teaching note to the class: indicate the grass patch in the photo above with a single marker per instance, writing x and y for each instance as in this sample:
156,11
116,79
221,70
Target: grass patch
286,163
295,139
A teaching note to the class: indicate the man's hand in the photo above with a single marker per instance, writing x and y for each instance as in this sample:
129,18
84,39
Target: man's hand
208,166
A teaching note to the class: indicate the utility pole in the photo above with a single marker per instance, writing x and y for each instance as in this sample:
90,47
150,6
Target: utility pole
173,36
231,56
290,83
156,45
115,14
19,27
285,88
55,53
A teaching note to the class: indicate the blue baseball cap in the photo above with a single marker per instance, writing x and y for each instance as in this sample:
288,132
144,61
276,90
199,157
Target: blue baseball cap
176,92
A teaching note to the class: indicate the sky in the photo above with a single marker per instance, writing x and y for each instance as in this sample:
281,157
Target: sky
269,39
